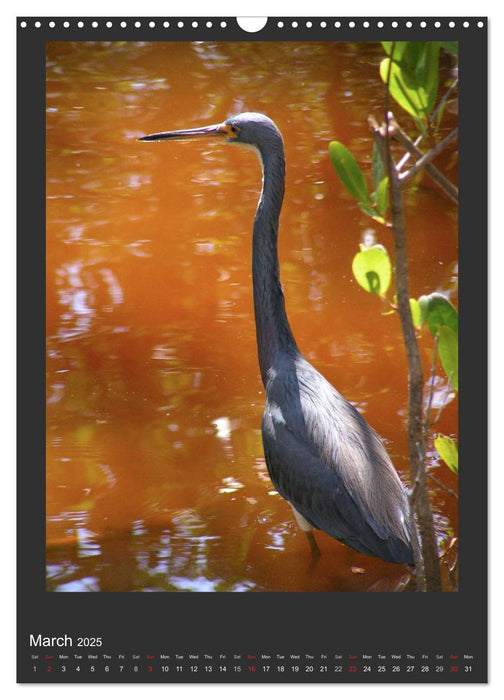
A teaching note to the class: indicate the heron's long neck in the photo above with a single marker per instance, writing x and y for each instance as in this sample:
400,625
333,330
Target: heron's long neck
272,327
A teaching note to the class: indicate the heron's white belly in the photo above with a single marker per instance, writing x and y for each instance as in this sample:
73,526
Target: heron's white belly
301,521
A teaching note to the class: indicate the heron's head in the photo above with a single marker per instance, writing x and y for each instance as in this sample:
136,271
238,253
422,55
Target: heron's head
250,129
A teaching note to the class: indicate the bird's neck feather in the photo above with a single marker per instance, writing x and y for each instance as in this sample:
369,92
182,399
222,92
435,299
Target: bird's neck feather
272,327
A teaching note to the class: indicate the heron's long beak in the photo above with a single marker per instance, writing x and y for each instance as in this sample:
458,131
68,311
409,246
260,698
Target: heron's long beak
183,134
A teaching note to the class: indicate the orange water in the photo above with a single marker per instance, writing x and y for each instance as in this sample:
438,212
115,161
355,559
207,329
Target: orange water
155,472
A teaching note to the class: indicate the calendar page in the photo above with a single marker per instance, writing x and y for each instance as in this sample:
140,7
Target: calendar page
238,333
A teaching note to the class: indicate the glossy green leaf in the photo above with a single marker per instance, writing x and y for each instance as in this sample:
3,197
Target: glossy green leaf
372,269
438,311
378,167
368,209
413,76
382,196
348,171
404,89
448,353
439,115
427,72
399,48
448,451
416,312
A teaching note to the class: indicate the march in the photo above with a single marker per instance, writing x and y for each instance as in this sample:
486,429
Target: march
40,641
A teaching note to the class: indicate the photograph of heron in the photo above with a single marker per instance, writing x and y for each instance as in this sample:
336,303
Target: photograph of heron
251,279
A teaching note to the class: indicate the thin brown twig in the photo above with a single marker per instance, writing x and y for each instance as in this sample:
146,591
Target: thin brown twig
438,177
443,404
443,486
426,560
427,157
395,195
432,117
443,100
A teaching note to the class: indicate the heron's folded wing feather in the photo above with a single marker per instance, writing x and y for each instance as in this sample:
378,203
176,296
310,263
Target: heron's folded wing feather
318,493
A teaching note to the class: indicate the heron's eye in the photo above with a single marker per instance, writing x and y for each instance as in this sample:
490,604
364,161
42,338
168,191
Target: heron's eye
235,130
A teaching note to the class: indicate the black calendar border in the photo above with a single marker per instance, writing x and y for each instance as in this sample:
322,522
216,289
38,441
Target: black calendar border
230,622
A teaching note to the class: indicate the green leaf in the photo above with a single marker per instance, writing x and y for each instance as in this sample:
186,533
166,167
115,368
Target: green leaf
402,87
416,313
442,319
382,198
378,167
372,269
399,48
413,76
439,115
448,353
447,450
368,209
438,311
427,72
348,171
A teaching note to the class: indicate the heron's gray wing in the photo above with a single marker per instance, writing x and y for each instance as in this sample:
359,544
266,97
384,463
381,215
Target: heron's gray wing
302,479
317,492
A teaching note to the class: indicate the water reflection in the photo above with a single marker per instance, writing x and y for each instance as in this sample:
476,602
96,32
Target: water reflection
84,290
181,558
156,479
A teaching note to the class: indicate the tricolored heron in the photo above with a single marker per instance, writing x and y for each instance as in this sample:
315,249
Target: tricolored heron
321,454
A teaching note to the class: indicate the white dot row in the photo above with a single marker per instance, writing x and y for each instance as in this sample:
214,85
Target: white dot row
380,24
123,24
280,24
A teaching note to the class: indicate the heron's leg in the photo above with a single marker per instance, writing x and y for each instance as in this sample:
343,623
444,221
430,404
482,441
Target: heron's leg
308,530
314,548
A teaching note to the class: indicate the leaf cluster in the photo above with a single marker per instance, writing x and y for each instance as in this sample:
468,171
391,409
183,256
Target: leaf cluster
411,71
